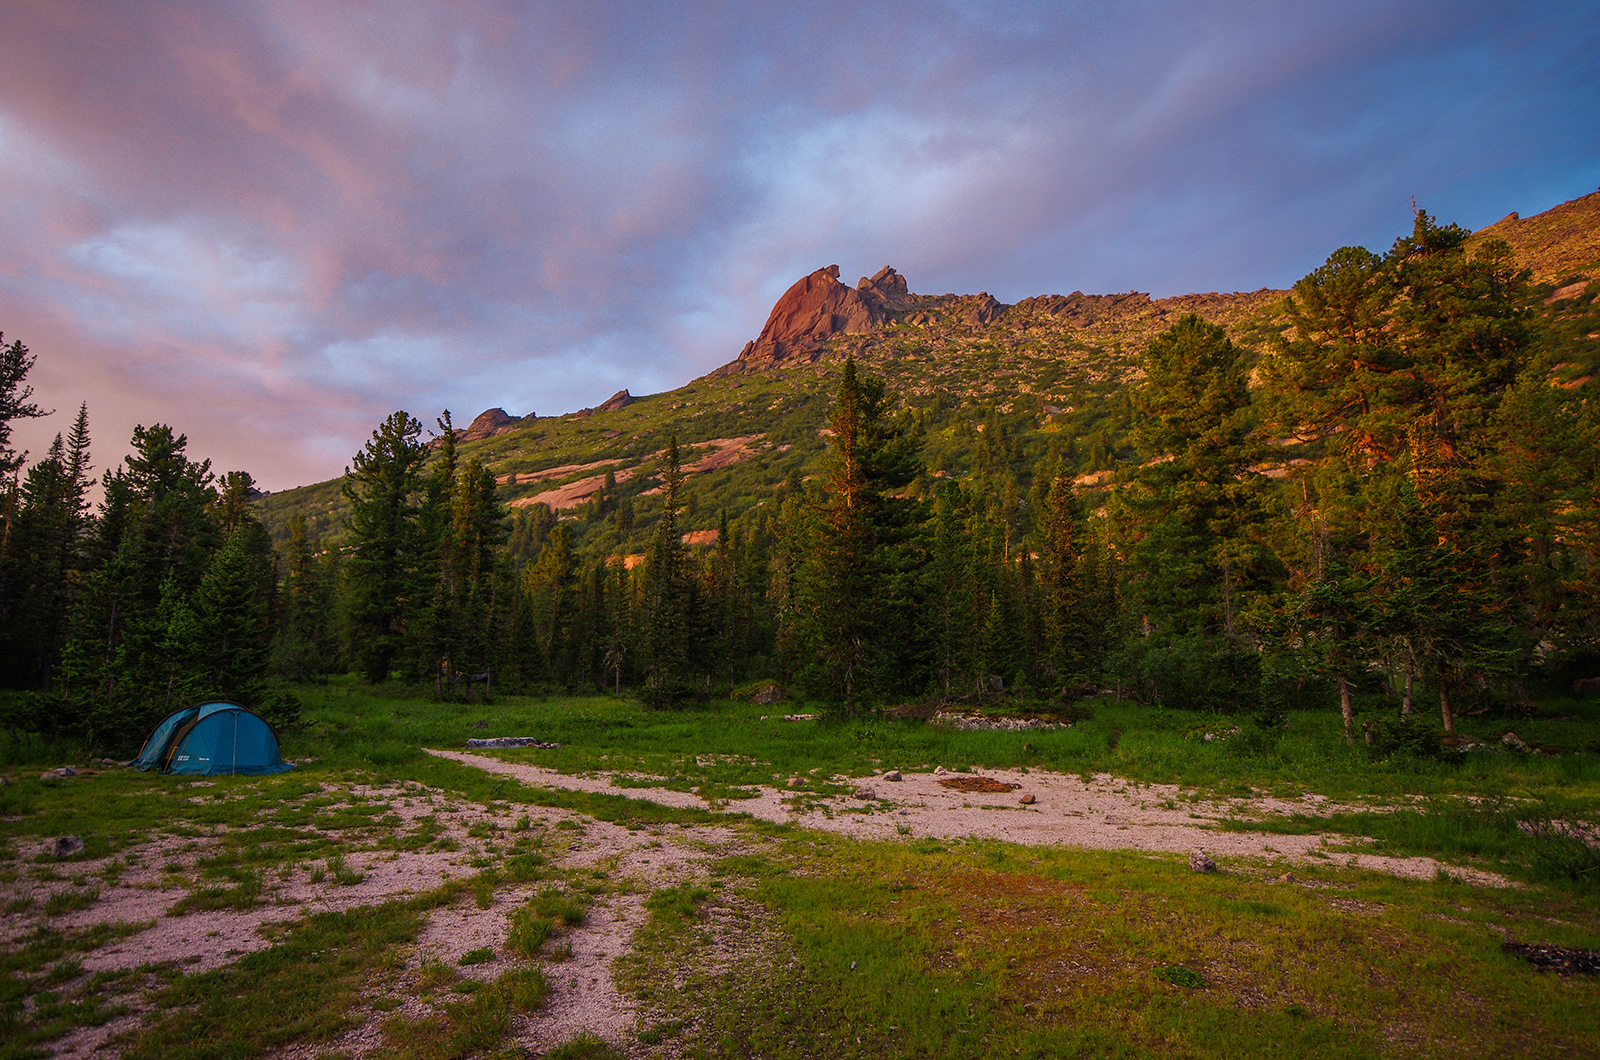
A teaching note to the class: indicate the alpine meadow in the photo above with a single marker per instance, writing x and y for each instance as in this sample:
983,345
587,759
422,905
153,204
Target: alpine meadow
1095,675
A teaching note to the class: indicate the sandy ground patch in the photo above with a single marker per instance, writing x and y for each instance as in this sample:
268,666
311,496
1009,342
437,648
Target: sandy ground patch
1101,813
143,883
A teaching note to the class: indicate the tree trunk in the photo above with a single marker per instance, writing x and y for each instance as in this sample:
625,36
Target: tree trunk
1227,600
1444,707
1347,710
1405,704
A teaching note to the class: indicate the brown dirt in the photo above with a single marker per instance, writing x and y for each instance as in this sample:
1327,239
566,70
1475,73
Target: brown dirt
976,784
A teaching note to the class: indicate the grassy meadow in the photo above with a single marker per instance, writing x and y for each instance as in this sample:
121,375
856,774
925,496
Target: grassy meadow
922,947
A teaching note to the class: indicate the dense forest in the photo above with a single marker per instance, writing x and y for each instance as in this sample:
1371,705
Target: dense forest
1387,504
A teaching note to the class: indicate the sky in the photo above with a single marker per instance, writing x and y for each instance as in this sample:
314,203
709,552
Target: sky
271,223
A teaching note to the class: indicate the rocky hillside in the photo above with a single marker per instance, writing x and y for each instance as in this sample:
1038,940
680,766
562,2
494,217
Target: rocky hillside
1051,373
1560,244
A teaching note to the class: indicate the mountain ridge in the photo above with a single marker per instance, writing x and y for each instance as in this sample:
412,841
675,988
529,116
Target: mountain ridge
1053,370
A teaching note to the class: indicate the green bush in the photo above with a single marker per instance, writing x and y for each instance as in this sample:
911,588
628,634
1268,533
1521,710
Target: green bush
1194,673
1416,735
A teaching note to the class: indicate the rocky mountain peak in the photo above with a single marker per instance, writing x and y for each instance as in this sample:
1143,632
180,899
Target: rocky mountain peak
885,289
814,309
487,424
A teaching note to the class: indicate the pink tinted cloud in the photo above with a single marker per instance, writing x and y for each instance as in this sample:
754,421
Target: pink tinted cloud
312,213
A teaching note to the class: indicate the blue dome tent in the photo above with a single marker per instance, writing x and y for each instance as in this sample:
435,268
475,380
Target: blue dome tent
212,738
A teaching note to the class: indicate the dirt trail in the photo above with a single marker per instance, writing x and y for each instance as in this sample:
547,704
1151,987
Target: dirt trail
1103,813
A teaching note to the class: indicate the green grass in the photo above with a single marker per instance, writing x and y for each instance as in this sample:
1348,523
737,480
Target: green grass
567,907
727,747
243,896
528,933
987,949
67,901
42,967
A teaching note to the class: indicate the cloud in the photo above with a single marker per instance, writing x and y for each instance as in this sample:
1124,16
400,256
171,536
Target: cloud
270,224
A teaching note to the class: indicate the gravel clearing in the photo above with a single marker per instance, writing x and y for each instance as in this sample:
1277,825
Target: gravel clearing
1101,813
141,885
152,878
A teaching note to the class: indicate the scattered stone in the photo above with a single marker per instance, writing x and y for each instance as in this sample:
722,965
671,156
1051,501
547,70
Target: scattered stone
1517,743
480,724
799,717
865,793
940,771
794,782
893,775
514,741
1287,877
58,774
1210,736
1200,861
108,761
67,846
1028,799
979,723
1113,819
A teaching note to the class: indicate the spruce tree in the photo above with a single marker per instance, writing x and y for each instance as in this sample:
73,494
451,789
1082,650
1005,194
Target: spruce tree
15,364
381,571
857,580
668,619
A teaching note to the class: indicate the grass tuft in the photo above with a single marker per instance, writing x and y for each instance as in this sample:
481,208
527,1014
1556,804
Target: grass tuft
68,901
1177,975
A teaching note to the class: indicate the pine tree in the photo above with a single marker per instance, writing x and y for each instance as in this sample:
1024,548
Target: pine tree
857,581
126,657
948,619
1074,648
303,647
1188,511
43,564
15,364
381,571
668,615
231,612
619,627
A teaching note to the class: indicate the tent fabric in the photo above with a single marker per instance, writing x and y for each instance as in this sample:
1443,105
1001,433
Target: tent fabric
214,738
155,747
